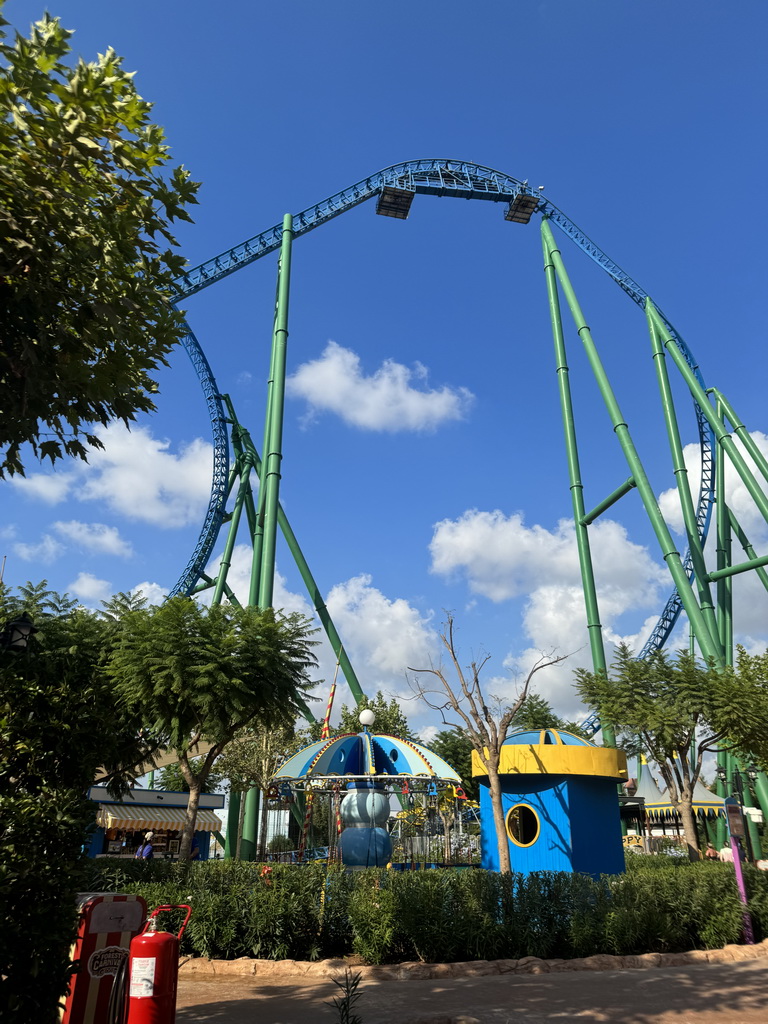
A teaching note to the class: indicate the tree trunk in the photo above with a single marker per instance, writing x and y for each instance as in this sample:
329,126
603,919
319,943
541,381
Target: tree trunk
689,826
494,784
188,830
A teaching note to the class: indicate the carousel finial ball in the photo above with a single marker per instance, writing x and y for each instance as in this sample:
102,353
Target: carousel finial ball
367,717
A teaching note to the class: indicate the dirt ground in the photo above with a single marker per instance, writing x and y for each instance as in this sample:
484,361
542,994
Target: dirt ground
707,993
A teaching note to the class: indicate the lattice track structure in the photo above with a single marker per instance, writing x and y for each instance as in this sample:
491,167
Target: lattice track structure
395,188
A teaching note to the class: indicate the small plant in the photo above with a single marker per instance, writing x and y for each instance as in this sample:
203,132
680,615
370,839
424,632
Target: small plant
344,1003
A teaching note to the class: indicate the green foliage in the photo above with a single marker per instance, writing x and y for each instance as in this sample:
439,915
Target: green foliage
390,719
536,713
204,673
661,904
668,703
59,722
345,1003
86,255
456,748
197,673
279,844
171,780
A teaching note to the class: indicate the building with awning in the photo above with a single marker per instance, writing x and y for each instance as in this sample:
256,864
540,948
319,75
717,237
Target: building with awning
121,824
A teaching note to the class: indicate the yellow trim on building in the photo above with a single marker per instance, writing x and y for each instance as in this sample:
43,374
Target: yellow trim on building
557,759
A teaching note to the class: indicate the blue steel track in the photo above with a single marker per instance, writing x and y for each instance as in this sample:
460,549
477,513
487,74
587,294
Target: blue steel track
436,177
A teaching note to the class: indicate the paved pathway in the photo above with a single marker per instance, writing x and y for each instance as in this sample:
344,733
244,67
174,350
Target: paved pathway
707,993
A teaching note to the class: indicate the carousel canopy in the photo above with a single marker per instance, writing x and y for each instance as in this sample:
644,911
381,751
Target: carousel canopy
364,755
658,805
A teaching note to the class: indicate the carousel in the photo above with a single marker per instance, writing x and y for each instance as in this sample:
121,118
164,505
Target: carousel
361,773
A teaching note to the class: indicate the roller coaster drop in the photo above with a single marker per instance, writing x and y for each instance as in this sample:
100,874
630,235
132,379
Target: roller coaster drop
710,618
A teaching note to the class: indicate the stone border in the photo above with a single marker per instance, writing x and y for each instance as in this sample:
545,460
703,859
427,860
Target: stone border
417,971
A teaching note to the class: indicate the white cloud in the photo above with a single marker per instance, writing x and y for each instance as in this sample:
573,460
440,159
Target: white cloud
384,636
90,589
95,537
386,401
47,550
737,496
153,592
136,476
51,488
502,559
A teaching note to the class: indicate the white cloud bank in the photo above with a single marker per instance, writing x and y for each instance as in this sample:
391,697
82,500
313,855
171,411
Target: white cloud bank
395,398
136,476
502,558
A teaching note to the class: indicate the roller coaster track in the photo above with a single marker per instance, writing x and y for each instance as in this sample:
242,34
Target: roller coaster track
437,177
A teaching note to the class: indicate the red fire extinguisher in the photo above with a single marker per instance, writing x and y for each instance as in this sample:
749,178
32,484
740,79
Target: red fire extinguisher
153,971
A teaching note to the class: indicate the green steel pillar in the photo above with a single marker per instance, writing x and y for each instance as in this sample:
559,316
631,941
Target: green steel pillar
233,825
723,555
761,792
715,421
270,480
745,795
709,647
594,627
683,485
250,826
722,790
226,558
151,780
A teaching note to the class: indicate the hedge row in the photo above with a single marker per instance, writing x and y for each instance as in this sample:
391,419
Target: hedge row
309,912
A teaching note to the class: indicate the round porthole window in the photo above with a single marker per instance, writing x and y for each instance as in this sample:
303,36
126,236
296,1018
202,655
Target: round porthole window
523,825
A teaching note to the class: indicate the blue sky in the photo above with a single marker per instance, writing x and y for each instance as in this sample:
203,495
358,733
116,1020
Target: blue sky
424,465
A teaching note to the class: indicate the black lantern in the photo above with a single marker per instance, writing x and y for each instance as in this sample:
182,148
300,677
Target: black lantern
16,633
752,772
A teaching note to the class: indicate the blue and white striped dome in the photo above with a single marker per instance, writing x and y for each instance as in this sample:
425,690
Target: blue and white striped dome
365,755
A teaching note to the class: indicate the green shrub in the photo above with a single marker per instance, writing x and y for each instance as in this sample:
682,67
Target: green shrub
659,905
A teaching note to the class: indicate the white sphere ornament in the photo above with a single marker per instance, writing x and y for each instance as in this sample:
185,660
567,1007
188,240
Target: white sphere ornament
367,717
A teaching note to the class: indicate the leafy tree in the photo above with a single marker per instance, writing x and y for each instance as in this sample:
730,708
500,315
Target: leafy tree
86,254
122,602
60,722
485,726
537,713
390,719
171,780
456,748
668,704
249,762
203,675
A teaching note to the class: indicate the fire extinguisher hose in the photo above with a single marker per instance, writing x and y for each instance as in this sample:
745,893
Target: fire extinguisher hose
116,1007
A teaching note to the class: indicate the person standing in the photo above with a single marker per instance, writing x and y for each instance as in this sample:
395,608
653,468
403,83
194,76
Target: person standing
145,850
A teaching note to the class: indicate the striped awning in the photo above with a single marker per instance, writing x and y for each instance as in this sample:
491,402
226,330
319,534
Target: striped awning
122,816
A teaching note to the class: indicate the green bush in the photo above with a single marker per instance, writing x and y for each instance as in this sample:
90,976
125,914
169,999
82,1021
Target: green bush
291,912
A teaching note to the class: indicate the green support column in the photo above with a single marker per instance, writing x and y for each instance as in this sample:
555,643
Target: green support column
722,790
233,826
723,555
747,801
574,470
761,792
709,647
681,479
250,825
270,481
594,628
700,396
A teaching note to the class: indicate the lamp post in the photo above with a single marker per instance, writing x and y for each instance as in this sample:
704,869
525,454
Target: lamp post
16,633
737,787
